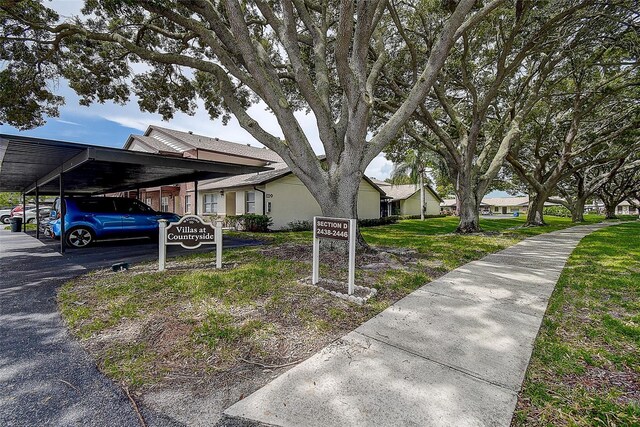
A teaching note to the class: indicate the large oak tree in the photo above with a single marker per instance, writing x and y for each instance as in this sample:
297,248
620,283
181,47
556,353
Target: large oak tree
319,56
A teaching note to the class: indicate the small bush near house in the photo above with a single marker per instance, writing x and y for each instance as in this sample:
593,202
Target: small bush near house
374,222
212,218
418,216
560,211
249,222
300,225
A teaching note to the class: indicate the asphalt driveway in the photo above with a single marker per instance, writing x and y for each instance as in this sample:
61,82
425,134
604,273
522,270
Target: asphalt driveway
46,378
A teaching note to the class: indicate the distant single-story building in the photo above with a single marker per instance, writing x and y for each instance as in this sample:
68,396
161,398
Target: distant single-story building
626,208
449,206
507,205
404,199
496,205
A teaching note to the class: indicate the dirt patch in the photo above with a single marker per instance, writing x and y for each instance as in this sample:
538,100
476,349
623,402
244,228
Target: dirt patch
596,379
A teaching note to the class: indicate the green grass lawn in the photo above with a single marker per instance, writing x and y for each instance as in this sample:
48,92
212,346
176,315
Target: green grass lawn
585,369
435,237
142,326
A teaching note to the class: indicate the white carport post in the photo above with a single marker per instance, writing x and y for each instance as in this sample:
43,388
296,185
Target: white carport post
218,239
162,246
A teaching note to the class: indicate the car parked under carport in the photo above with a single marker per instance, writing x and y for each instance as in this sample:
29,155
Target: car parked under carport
95,218
48,167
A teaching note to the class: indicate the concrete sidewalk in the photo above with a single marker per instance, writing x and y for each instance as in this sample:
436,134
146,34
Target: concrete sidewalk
453,353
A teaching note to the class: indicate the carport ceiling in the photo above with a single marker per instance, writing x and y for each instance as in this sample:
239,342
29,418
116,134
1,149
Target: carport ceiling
90,169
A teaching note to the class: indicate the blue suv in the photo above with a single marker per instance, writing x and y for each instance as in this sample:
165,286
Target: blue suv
91,218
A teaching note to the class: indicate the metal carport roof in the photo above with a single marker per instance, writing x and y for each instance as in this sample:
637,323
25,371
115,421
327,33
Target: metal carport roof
89,169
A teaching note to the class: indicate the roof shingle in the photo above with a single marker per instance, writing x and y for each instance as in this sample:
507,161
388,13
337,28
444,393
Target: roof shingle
215,144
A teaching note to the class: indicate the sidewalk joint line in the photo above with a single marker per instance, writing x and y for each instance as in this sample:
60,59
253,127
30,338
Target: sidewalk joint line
455,368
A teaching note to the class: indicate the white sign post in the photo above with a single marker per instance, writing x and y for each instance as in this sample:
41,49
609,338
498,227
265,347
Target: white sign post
162,248
334,229
190,232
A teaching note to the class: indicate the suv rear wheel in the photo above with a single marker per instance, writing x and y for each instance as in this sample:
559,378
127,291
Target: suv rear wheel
80,237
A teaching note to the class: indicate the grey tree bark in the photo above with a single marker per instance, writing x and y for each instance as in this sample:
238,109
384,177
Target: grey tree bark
535,213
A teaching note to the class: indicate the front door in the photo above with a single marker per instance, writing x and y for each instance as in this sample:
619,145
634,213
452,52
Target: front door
230,203
504,210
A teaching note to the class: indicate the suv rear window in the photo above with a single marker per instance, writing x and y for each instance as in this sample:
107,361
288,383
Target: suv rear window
98,204
132,206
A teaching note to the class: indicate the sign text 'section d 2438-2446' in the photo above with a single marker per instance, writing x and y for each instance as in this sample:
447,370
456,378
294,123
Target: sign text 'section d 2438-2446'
332,228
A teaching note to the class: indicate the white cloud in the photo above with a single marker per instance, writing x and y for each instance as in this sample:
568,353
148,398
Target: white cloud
379,168
68,122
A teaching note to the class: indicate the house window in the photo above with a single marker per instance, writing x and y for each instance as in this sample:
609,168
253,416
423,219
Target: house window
164,205
496,209
250,202
210,203
148,202
187,204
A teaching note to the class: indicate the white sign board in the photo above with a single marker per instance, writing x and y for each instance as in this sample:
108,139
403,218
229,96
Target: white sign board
190,232
334,229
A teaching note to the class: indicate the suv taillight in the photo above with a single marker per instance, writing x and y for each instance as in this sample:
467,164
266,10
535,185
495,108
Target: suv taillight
58,215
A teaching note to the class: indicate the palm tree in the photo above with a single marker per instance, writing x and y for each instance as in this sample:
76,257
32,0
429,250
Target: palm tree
414,165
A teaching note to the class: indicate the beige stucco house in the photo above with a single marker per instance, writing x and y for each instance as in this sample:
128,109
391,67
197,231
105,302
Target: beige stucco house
278,194
404,199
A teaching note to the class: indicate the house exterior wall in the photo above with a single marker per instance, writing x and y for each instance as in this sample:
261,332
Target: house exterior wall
497,210
289,200
151,196
626,210
411,205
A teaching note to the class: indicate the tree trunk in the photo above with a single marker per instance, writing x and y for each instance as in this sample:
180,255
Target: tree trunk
421,196
610,211
342,203
535,216
468,208
577,215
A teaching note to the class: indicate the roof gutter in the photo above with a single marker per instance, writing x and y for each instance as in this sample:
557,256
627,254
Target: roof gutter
264,200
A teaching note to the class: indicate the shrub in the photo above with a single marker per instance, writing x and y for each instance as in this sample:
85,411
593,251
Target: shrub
249,222
374,222
556,211
418,216
300,225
